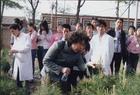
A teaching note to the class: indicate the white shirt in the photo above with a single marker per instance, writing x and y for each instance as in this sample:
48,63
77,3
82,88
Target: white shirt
23,59
44,39
101,52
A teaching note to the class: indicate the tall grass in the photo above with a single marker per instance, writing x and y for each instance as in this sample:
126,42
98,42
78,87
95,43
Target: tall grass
8,87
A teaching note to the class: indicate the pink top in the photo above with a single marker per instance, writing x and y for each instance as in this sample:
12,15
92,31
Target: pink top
133,45
33,36
56,37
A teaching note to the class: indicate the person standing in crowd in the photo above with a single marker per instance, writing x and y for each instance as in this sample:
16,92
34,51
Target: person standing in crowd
133,51
120,45
65,34
33,36
62,56
43,42
58,35
131,31
89,30
18,22
102,49
24,26
79,27
66,31
22,52
94,22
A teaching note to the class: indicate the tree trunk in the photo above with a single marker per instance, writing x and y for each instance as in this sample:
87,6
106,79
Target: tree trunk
78,11
128,15
0,33
33,17
137,10
117,8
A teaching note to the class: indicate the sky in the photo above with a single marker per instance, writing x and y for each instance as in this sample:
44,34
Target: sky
97,8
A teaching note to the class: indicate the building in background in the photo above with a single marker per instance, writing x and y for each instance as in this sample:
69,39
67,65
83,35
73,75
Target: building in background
70,19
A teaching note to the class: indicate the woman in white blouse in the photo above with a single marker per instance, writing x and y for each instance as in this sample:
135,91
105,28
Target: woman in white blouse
43,42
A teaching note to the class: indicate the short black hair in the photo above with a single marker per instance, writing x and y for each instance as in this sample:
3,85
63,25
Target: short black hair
121,19
133,27
66,26
101,22
89,24
14,26
32,25
78,37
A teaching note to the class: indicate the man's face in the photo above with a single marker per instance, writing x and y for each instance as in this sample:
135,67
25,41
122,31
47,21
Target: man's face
101,29
89,31
65,32
15,32
119,24
78,47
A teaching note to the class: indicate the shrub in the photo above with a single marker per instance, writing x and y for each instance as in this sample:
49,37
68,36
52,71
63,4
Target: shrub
96,86
47,90
4,64
8,87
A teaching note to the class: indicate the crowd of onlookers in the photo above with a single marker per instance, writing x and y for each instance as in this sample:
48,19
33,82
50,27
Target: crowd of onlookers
66,56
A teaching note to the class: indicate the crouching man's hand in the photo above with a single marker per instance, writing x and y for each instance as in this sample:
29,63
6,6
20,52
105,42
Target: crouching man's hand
66,71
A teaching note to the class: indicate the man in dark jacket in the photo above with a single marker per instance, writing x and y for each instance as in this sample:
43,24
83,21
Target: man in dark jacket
120,45
62,56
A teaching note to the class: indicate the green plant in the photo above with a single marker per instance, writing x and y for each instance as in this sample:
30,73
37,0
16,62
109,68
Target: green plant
96,86
4,64
47,90
8,87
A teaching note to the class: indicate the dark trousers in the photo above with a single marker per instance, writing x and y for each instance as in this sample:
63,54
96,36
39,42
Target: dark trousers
116,61
33,51
18,82
132,62
66,86
40,54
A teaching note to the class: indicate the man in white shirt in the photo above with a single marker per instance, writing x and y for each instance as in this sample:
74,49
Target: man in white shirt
102,49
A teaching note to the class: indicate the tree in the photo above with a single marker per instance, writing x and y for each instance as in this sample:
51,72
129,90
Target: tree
34,5
3,5
80,4
118,5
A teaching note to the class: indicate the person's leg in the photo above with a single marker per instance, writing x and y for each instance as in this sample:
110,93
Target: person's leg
118,58
18,82
135,58
112,64
40,57
33,59
129,65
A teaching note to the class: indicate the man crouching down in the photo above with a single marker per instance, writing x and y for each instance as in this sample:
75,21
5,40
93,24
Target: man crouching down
62,56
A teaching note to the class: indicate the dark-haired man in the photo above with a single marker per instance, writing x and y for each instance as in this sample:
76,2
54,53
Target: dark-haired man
120,45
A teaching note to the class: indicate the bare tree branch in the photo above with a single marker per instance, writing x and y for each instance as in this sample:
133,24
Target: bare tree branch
82,3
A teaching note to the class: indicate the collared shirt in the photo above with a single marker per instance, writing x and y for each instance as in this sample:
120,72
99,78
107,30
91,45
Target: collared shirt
133,45
117,41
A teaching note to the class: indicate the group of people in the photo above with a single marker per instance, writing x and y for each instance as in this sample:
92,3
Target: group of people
67,55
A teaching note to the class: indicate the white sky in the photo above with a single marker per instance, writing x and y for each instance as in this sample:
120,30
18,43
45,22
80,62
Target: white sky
98,8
